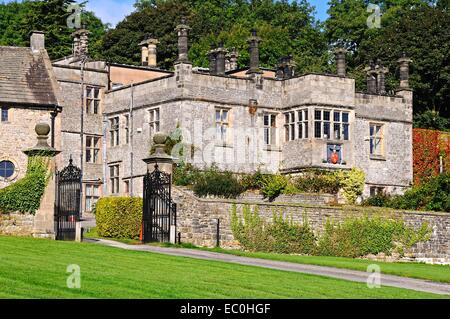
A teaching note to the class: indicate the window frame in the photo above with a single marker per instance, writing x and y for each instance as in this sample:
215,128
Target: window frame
327,124
303,124
289,126
91,196
93,157
127,128
3,110
154,124
92,101
222,124
114,179
114,131
13,173
374,150
271,129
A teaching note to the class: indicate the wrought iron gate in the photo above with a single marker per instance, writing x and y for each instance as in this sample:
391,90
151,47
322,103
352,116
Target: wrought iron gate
68,202
160,212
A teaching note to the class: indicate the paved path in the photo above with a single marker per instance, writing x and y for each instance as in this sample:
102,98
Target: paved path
351,275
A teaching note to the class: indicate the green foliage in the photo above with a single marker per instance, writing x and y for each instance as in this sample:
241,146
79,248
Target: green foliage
281,236
119,217
432,120
215,183
317,181
25,195
273,186
417,27
357,237
354,237
352,183
431,196
18,19
253,181
185,174
286,27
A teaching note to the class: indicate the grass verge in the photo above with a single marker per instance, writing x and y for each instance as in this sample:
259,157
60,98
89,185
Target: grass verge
35,268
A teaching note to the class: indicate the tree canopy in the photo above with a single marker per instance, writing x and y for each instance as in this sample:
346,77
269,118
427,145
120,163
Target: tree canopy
420,28
287,27
18,19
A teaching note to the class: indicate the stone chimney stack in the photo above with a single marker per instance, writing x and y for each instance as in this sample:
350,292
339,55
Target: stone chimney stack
341,63
220,60
183,41
80,43
371,78
381,72
212,56
37,40
232,60
404,62
149,51
254,41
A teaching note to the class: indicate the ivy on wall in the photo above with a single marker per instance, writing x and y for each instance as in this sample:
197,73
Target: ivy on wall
429,146
25,195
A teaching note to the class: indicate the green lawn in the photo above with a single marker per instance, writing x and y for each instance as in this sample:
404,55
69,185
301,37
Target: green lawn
32,268
438,273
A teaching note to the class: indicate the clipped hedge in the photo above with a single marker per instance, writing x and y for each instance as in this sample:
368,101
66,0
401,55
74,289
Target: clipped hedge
25,195
119,217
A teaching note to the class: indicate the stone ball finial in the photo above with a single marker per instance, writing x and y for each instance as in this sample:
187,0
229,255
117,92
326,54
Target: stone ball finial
160,138
42,129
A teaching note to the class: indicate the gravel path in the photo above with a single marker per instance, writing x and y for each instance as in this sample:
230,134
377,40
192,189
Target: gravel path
351,275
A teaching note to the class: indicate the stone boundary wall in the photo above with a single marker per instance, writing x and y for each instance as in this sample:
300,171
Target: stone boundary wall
16,224
197,220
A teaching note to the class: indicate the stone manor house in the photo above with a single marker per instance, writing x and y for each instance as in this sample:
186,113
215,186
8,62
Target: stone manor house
104,115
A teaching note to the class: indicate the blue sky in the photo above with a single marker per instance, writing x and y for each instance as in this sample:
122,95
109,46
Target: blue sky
113,11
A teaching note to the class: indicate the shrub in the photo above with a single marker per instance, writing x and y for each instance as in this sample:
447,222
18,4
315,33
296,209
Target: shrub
281,236
254,181
357,237
354,237
25,195
317,182
119,217
273,186
433,196
185,175
352,183
216,183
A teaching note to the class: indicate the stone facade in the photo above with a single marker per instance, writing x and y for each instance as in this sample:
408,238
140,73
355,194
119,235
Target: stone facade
190,100
16,224
29,94
241,120
197,221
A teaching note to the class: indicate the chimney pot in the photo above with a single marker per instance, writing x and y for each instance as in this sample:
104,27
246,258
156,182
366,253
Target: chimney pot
341,63
254,41
37,40
183,41
404,63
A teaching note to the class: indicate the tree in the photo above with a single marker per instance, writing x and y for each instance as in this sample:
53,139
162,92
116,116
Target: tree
420,28
286,27
17,20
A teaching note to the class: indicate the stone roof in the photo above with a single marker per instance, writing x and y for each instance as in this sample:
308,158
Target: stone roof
26,78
